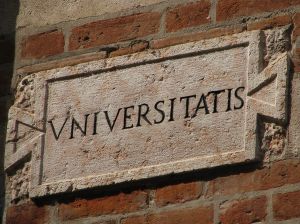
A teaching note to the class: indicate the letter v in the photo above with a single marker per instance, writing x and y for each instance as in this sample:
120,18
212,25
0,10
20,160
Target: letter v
111,126
53,129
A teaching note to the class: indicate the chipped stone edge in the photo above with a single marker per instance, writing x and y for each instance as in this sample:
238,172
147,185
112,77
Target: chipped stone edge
71,185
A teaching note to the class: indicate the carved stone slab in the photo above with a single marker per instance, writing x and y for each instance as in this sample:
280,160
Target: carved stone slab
177,109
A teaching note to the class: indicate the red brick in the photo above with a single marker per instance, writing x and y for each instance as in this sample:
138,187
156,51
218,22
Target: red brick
245,211
189,15
118,204
136,47
228,9
286,206
296,52
115,204
73,210
114,30
199,215
296,63
270,23
177,193
43,45
296,40
296,31
27,213
279,174
160,43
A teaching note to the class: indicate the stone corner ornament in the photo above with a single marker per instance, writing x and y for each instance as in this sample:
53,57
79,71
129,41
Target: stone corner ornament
177,109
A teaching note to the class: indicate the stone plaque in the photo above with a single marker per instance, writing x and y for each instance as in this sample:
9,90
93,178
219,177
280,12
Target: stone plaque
177,109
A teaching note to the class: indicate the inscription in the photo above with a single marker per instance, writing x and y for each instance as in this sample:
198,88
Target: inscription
145,115
143,110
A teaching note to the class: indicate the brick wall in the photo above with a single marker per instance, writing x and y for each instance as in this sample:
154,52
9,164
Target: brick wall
157,27
266,192
239,194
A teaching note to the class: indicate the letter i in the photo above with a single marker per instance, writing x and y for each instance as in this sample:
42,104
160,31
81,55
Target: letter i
229,100
95,123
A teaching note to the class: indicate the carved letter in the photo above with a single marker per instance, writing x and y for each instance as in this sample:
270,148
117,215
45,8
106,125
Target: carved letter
187,104
143,114
74,122
239,98
160,111
202,99
127,116
229,100
95,123
53,129
111,125
172,109
216,93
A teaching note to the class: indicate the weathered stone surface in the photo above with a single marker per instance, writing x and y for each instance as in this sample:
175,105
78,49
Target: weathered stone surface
152,113
19,182
144,141
24,98
273,141
277,41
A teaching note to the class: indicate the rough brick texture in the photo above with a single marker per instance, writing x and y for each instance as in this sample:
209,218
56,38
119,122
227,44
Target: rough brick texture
189,15
296,21
286,206
199,215
135,47
178,193
296,39
43,45
27,213
281,173
296,55
217,32
74,60
244,211
115,204
228,9
114,30
270,23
